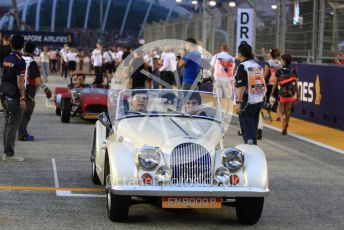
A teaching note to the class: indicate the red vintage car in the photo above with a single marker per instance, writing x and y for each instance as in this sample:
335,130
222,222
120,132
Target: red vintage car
87,101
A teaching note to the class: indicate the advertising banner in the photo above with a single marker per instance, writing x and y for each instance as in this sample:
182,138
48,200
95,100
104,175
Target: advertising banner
322,94
44,38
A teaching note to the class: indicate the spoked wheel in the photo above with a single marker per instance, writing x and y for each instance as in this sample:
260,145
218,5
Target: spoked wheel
249,209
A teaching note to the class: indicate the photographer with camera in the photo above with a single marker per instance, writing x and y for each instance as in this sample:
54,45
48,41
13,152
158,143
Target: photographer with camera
287,90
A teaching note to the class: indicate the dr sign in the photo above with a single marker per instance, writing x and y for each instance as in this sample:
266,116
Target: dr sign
245,29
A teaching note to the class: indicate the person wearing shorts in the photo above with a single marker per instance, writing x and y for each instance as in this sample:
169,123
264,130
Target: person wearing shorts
223,65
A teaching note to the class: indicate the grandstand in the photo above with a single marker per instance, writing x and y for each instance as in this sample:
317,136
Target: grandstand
115,16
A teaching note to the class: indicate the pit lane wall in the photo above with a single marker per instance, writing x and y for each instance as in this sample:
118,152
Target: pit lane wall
322,94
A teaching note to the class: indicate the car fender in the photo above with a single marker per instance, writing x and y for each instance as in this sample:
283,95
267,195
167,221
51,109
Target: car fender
60,90
58,95
255,170
100,148
58,99
123,163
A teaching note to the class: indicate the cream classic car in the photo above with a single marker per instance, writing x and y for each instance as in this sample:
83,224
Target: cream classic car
166,146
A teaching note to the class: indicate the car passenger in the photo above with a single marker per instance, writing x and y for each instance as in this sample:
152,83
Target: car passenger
192,104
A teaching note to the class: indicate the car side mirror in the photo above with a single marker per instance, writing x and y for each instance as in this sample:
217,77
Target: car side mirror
105,120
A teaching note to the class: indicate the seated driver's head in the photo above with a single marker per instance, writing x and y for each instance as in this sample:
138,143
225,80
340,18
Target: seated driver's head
80,81
139,101
192,103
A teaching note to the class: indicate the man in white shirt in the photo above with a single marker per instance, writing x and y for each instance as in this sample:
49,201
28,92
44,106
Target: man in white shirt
63,53
107,57
119,55
71,61
223,66
168,67
97,60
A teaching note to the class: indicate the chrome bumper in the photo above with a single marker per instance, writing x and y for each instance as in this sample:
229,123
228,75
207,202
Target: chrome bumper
206,191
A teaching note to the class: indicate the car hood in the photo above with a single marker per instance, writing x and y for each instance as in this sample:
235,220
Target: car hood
168,132
94,98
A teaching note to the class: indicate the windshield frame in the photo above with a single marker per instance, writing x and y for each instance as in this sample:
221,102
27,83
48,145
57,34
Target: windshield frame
217,119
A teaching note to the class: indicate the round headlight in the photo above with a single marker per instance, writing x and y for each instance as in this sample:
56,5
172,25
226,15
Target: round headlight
149,158
163,174
222,175
233,159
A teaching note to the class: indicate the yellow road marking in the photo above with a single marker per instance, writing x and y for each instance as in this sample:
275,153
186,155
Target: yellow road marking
316,132
43,188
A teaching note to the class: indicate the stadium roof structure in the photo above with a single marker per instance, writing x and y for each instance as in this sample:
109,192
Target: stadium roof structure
123,16
57,15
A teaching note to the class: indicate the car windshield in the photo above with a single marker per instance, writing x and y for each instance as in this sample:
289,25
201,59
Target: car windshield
93,90
164,102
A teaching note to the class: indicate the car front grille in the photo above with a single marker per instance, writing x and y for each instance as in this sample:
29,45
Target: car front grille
190,164
96,109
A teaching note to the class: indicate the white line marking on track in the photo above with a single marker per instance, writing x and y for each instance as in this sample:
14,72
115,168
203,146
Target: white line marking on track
70,194
65,193
308,140
325,146
56,180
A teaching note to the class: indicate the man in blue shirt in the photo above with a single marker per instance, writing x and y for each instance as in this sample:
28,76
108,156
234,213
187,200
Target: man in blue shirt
13,95
192,65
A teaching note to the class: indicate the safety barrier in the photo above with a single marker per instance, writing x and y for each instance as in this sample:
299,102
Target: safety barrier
322,94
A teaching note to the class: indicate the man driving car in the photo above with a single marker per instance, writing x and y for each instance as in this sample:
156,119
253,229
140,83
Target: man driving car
139,101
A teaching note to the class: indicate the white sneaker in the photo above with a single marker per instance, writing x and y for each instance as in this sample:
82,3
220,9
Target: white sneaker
12,158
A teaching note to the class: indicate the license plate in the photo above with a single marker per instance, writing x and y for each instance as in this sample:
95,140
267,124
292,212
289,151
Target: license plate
191,202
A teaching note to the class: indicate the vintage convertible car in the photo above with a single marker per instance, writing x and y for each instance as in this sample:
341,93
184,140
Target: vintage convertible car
87,101
166,146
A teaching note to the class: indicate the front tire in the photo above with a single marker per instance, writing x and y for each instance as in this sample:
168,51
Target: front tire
249,209
66,108
117,206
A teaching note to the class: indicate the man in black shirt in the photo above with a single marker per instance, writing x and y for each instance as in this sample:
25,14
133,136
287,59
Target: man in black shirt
125,55
33,80
137,78
13,96
5,50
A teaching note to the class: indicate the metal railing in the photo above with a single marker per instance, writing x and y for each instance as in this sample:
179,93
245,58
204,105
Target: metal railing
318,38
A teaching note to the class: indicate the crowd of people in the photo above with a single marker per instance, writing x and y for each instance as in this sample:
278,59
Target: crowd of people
250,86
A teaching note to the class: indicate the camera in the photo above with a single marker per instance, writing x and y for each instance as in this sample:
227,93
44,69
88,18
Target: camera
267,105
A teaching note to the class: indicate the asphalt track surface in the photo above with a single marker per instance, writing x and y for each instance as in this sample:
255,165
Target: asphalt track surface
306,183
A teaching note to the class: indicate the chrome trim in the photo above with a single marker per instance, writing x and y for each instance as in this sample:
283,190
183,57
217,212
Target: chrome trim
190,163
207,191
